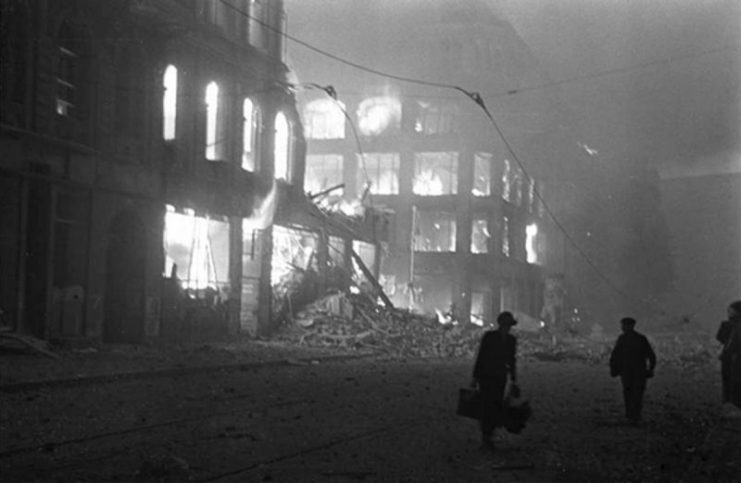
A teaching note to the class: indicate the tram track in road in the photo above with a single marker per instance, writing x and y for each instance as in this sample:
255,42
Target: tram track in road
386,429
102,450
53,445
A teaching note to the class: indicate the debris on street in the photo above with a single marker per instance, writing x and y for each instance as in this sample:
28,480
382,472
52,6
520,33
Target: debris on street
356,322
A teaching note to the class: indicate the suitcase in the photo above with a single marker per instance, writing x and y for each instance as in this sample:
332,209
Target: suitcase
469,403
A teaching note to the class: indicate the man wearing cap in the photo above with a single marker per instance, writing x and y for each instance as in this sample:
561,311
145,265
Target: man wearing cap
634,360
494,362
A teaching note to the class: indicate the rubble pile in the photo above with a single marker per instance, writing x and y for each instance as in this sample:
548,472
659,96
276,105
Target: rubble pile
357,322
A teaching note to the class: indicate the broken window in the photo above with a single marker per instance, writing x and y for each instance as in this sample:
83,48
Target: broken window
434,294
507,181
251,123
478,308
259,23
367,253
215,129
197,252
324,119
381,171
434,117
435,173
169,102
533,243
379,115
69,67
282,147
531,197
481,174
480,235
434,231
505,236
293,250
323,171
336,251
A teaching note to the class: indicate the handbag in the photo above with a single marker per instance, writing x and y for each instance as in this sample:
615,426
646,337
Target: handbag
469,403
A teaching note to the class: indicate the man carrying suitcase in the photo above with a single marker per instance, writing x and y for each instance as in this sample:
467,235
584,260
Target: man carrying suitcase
496,359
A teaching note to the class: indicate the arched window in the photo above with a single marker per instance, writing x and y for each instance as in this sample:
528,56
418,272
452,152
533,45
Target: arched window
169,102
214,126
282,151
251,123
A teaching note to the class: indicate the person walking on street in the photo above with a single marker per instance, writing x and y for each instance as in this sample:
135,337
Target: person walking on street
729,334
634,360
495,360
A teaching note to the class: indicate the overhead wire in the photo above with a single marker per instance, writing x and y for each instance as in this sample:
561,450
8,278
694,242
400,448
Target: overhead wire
478,99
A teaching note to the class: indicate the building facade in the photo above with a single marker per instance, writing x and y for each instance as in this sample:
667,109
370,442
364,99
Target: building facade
146,147
391,121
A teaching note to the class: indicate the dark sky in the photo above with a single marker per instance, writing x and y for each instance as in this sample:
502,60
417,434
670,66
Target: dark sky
651,80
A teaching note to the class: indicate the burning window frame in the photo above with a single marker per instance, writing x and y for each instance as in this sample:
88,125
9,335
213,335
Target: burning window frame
435,173
208,242
381,170
422,225
324,119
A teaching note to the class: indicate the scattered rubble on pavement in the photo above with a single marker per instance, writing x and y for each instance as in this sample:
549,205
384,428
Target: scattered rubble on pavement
355,322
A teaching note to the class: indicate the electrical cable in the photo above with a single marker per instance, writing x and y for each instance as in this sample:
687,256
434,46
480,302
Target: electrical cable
476,98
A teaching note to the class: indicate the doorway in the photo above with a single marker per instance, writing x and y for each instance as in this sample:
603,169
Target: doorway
125,280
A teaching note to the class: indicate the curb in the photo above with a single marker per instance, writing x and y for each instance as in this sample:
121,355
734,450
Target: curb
15,387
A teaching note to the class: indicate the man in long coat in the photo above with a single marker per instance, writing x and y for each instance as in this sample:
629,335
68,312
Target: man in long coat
496,359
634,360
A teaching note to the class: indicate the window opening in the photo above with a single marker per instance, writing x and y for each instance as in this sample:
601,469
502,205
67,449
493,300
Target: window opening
367,253
531,243
294,251
507,181
480,236
214,138
324,119
169,102
251,121
323,171
435,173
378,115
382,170
434,232
505,236
197,252
478,308
435,117
282,147
482,174
67,70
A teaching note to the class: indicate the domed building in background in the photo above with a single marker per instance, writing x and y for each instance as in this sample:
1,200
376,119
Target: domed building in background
436,112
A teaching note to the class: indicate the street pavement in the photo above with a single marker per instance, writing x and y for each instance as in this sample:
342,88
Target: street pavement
273,413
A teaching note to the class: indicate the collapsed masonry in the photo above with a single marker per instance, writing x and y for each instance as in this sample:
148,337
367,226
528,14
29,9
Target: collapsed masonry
357,322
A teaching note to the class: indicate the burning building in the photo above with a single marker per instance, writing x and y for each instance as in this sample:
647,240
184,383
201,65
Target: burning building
399,121
148,149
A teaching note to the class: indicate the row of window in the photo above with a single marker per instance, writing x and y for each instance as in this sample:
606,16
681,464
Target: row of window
217,132
375,116
73,79
435,231
435,174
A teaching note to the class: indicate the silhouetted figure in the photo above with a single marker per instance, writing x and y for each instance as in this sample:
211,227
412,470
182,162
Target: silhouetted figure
494,362
729,334
634,360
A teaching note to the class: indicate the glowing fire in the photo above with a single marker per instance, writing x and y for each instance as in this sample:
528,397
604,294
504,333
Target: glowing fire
377,114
